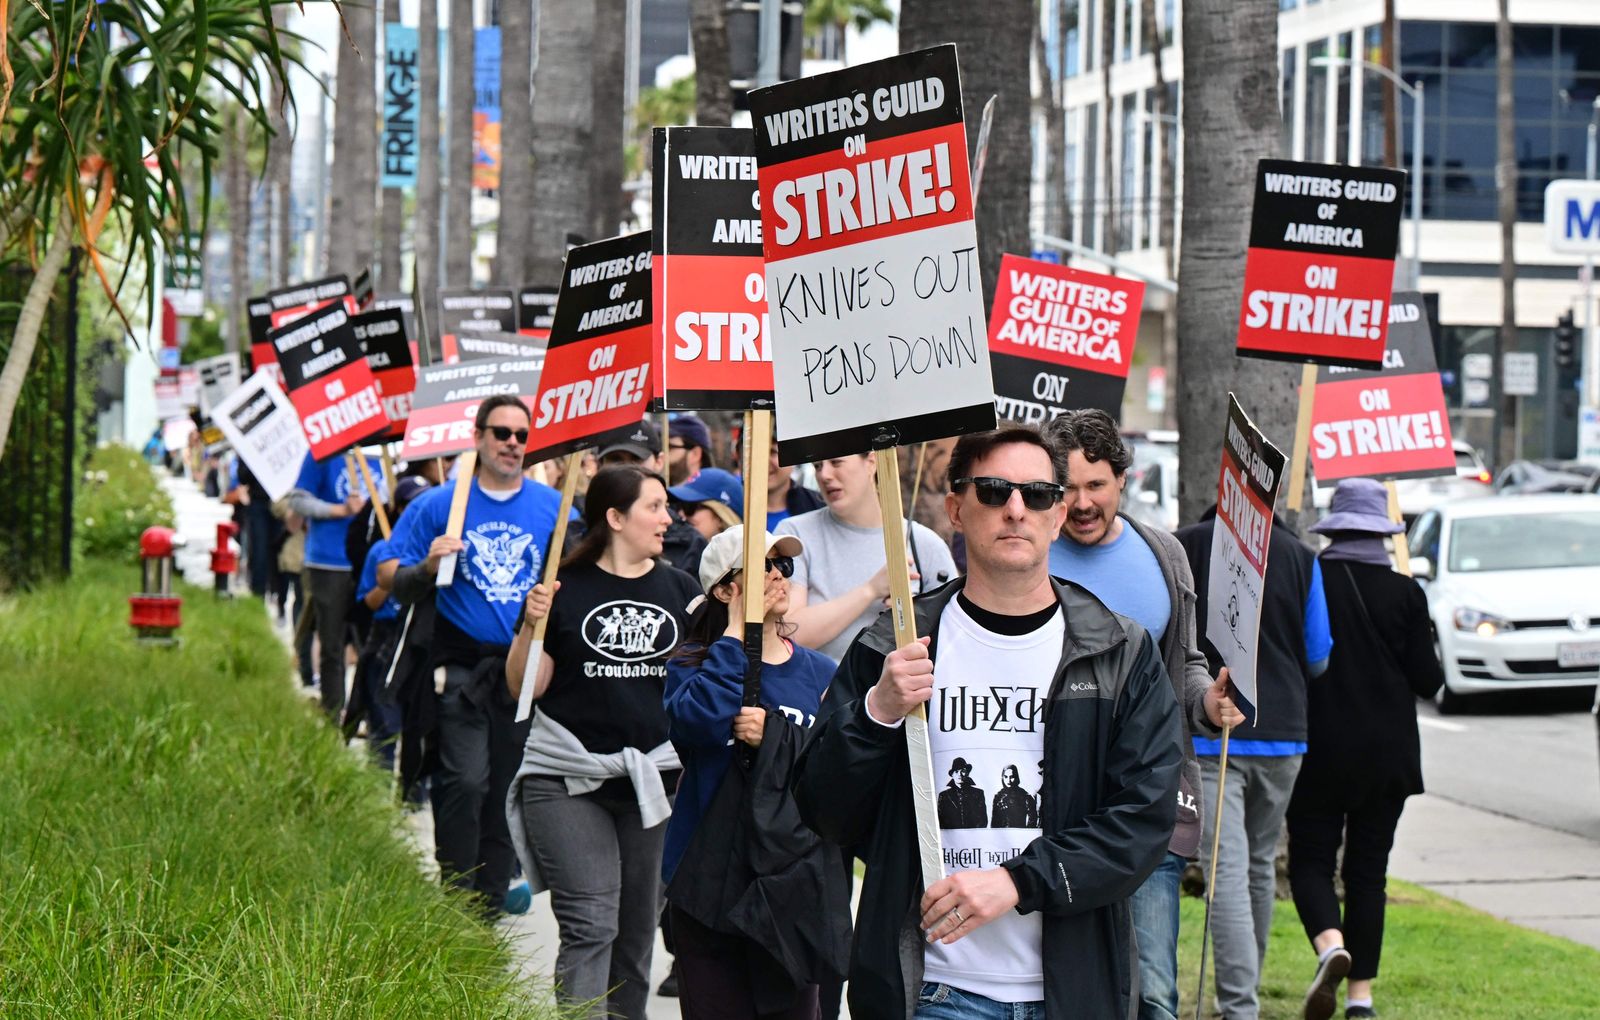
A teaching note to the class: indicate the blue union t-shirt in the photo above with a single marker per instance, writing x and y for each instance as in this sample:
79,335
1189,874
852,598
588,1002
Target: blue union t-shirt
329,480
1123,573
506,542
379,552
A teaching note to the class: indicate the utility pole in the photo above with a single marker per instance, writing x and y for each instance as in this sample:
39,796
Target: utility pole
1505,179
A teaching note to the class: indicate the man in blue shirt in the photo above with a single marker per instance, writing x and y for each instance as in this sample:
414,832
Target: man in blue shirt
499,556
1141,573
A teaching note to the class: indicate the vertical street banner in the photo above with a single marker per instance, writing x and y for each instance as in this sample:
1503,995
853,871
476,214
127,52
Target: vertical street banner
398,150
1320,268
1060,339
445,405
463,311
1390,423
873,287
329,381
258,311
486,109
710,280
262,427
597,368
381,335
536,310
1247,490
300,299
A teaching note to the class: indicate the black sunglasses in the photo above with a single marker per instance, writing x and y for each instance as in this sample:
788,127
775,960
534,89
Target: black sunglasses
502,433
783,564
1036,496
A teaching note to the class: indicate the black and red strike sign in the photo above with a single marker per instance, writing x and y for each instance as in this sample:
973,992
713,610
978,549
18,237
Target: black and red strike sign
596,373
329,381
1060,339
710,280
1391,423
259,312
361,289
445,405
463,311
1321,263
536,310
382,337
296,300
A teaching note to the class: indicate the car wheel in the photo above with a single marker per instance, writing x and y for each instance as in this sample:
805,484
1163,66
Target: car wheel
1449,702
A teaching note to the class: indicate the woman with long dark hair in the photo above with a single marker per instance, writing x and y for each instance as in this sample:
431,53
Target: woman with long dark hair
588,807
1363,757
723,973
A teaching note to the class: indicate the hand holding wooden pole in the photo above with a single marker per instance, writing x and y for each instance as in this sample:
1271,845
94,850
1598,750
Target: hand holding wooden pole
552,565
373,493
757,440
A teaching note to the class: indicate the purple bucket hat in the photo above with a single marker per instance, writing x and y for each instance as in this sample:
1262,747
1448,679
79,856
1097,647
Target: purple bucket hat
1359,504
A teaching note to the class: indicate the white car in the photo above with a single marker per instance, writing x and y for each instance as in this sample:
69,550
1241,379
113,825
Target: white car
1514,592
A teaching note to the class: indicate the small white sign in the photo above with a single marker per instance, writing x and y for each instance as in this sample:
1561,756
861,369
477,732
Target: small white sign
1520,374
1572,217
263,428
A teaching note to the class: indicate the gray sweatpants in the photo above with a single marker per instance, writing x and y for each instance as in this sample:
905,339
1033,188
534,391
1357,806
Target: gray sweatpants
1254,801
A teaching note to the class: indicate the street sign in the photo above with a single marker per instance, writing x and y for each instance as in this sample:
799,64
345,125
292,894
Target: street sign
1475,372
1519,376
1572,217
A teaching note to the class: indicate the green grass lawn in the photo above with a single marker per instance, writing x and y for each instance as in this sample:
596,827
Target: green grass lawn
181,836
1440,960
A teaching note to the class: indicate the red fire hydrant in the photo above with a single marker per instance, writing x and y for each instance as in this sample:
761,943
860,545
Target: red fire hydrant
154,613
225,557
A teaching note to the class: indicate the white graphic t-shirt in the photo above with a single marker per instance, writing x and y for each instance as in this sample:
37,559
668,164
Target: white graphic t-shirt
986,731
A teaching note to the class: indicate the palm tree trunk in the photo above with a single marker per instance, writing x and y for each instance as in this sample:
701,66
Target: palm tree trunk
279,177
562,135
606,73
393,222
238,192
458,163
1230,121
425,231
31,319
352,209
1506,193
713,95
516,142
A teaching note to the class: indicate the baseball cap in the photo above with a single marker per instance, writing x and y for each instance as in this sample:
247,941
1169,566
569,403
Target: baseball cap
714,486
691,430
642,440
726,552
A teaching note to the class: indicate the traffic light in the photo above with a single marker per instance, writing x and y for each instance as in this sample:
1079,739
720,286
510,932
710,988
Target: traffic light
1566,343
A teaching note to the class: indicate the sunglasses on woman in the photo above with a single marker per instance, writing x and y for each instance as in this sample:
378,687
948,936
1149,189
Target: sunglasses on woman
784,565
504,433
1037,496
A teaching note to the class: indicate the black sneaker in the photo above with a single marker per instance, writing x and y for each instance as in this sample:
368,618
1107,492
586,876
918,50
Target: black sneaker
669,985
1359,1011
1321,997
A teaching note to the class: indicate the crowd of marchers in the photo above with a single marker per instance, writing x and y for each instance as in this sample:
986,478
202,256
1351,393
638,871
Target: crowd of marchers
1076,721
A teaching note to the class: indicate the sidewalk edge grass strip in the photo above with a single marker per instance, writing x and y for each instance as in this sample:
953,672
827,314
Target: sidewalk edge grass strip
1441,958
181,835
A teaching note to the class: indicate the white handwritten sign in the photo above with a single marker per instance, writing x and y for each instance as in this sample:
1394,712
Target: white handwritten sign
264,429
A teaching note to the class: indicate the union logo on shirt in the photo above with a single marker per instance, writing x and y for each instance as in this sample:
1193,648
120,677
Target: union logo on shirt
503,566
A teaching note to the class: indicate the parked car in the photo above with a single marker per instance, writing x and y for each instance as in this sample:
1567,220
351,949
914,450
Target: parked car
1152,491
1416,495
1523,477
1513,591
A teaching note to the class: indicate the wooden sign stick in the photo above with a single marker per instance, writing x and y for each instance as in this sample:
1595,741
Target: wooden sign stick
916,480
372,493
1302,436
929,851
1211,884
1402,549
388,469
757,441
466,467
552,565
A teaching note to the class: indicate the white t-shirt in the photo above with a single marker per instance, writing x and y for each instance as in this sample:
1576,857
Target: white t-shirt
986,732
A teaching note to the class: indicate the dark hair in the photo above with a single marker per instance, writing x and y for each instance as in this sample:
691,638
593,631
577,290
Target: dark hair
975,446
494,403
1095,433
613,488
707,623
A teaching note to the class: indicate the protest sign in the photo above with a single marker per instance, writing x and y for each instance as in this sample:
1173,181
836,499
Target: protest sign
399,148
597,369
476,347
1247,490
297,300
264,430
329,381
169,402
873,284
1321,263
259,312
1391,423
381,335
536,310
446,401
361,290
219,376
1060,339
463,310
403,304
710,281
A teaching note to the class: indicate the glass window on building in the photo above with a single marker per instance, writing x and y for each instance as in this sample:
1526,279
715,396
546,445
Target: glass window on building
1149,214
1169,21
1377,144
1091,52
1128,192
1088,220
1288,69
1067,12
1129,29
1316,113
1342,76
1288,5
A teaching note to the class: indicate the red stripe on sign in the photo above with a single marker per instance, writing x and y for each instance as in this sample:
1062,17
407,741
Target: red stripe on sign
714,313
339,409
1247,518
898,185
1332,309
1380,427
590,386
262,355
1050,313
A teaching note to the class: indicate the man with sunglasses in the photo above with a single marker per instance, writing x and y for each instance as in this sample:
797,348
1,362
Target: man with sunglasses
499,556
1013,666
1141,573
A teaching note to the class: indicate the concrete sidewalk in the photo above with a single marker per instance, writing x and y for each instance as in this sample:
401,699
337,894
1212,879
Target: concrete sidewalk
197,517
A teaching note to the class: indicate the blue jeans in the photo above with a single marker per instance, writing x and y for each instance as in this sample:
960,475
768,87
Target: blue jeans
1154,906
942,1002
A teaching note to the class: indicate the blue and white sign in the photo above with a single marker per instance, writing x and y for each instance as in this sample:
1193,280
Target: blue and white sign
1572,217
399,106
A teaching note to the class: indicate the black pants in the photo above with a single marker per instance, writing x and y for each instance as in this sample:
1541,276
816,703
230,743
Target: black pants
480,748
714,978
331,593
1316,831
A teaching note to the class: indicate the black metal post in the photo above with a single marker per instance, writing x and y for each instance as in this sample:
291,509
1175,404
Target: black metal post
69,459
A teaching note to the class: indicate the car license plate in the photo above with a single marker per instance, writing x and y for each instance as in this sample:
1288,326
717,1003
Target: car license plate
1579,653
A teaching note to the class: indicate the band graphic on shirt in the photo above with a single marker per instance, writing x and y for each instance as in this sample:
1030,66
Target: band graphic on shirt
964,805
629,631
503,565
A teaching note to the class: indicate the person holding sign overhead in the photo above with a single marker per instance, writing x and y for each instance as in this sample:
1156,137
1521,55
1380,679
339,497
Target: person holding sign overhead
1028,920
589,805
503,541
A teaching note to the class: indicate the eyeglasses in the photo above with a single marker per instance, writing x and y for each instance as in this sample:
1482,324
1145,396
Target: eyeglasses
784,565
676,446
503,433
1037,496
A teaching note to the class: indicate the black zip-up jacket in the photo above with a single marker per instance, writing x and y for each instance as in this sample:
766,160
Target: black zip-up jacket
1111,764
